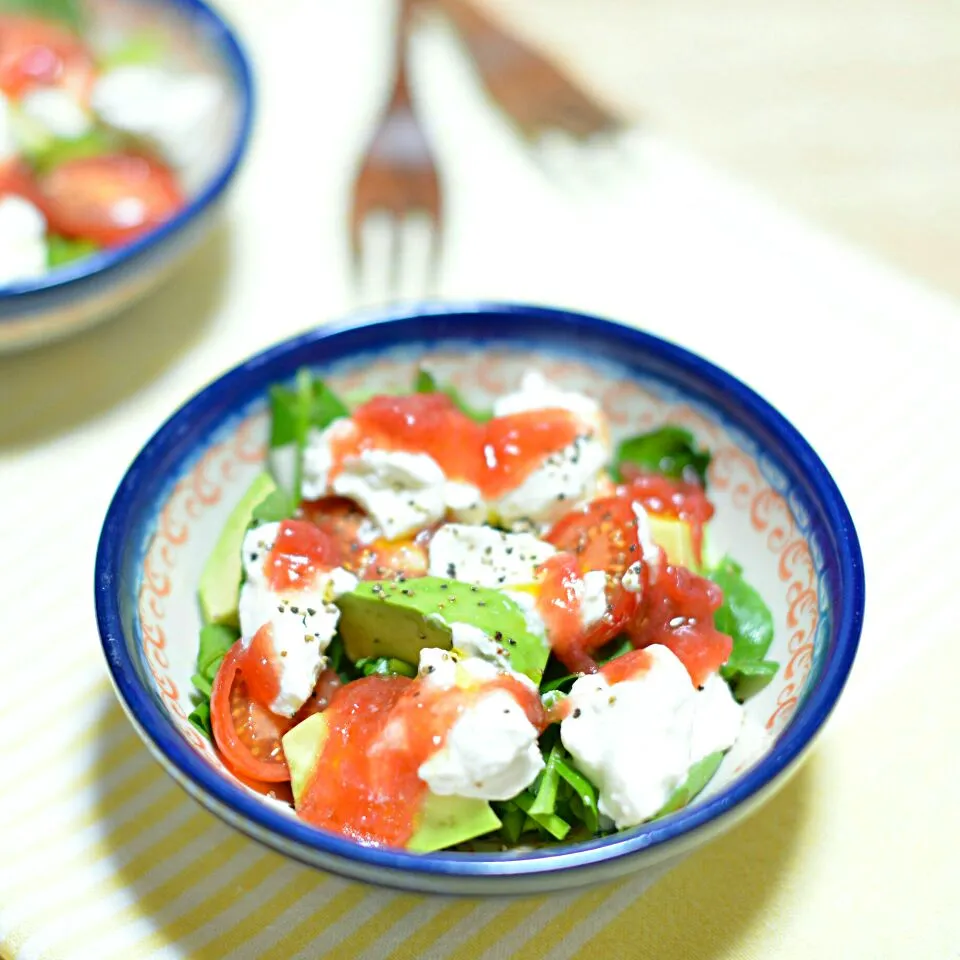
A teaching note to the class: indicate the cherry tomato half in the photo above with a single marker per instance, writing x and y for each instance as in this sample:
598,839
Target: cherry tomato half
109,199
38,53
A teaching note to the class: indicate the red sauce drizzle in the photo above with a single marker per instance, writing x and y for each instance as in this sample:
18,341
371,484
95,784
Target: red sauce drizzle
677,611
301,550
627,666
670,498
381,729
495,457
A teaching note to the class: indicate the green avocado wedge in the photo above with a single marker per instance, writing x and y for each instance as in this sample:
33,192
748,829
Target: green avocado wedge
441,822
380,619
676,539
220,581
699,775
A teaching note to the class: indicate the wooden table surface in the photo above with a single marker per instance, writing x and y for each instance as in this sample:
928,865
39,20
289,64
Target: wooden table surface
847,112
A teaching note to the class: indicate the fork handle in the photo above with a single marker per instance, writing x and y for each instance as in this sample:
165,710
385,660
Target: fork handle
406,10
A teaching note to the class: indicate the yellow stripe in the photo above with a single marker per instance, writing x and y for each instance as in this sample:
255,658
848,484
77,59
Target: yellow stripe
10,946
142,863
482,938
84,737
26,704
206,911
427,935
315,923
101,807
306,881
375,927
565,921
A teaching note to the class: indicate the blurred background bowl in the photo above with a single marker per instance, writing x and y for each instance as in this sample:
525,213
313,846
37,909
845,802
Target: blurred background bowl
69,298
778,513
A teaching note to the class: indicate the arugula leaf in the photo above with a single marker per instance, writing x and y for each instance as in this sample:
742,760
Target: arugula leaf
698,777
215,640
385,667
274,507
670,450
311,403
512,820
69,12
562,682
556,826
200,718
746,618
743,614
51,153
545,800
585,792
63,250
748,678
427,383
556,685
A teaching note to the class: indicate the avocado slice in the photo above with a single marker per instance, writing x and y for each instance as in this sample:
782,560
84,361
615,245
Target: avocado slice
381,619
223,571
441,822
675,538
698,776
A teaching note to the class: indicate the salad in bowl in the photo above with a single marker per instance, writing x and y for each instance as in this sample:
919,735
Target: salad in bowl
478,599
97,133
122,124
431,626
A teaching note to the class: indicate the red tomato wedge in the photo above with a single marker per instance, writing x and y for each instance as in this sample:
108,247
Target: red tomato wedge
247,734
600,536
17,180
38,53
109,199
256,665
300,552
380,560
677,611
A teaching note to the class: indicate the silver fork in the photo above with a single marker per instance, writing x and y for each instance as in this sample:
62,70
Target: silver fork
397,180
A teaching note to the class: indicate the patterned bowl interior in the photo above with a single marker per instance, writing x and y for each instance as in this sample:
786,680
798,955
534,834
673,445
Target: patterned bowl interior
759,520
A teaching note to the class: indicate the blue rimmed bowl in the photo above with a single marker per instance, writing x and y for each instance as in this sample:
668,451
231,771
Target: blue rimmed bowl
76,295
778,512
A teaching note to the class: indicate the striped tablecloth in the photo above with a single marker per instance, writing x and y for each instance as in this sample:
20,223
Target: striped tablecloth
102,857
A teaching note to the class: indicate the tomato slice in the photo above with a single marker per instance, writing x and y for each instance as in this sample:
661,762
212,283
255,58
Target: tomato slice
602,535
109,199
37,52
381,559
599,536
300,552
247,734
256,664
677,610
16,179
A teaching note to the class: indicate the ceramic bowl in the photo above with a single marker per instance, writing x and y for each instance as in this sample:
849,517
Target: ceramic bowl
777,511
69,298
